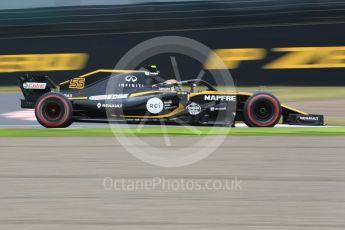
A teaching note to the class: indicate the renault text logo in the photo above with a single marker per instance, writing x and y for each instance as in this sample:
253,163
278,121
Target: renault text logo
131,78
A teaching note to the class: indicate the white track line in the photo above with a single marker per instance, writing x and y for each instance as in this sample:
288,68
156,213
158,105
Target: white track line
242,125
25,115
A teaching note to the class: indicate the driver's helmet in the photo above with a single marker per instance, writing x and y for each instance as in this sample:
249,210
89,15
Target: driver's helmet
152,70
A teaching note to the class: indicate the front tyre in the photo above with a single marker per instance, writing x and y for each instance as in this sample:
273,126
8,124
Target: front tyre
54,110
262,110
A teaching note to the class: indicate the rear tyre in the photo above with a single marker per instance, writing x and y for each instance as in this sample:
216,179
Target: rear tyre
54,110
262,110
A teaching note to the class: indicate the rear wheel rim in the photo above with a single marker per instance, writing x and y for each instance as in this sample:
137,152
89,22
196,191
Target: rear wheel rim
53,110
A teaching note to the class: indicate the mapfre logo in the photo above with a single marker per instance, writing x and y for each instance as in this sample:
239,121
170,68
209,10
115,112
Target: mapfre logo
220,98
131,78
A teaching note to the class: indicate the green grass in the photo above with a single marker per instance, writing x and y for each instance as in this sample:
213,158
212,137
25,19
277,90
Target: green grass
172,131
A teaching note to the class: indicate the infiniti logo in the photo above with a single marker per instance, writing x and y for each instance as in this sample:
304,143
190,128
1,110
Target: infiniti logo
131,78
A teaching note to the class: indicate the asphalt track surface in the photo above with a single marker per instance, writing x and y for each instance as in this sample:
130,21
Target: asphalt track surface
286,183
9,103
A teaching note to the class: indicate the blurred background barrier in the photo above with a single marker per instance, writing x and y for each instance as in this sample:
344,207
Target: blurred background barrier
269,42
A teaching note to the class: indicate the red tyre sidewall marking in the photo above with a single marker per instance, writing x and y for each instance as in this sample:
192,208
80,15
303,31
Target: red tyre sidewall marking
45,121
276,110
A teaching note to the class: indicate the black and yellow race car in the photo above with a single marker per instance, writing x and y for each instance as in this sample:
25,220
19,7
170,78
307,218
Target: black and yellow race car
137,96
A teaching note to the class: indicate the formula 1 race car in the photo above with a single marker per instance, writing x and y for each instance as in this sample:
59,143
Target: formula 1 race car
137,96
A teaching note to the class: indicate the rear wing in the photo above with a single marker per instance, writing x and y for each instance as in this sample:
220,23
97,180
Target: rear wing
33,87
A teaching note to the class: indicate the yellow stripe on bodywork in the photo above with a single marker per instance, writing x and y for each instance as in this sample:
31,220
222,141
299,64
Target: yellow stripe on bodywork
147,92
192,94
294,110
78,98
104,71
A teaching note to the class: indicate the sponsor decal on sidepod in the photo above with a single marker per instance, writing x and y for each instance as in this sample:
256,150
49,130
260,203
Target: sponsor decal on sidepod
108,97
217,109
220,98
100,105
169,105
154,105
194,108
